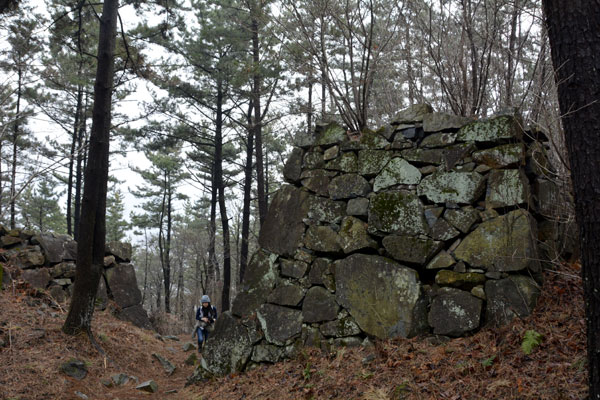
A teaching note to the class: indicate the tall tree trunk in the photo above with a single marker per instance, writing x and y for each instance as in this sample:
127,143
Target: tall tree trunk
167,264
79,170
15,138
90,246
247,197
222,207
212,273
76,130
574,32
256,85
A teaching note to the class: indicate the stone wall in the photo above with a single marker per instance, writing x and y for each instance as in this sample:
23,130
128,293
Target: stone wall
47,261
426,226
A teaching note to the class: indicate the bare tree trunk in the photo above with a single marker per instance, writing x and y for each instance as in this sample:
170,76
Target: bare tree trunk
90,246
15,138
574,32
247,197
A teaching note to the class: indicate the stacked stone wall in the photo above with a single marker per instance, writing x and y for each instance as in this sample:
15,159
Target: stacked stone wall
425,226
47,261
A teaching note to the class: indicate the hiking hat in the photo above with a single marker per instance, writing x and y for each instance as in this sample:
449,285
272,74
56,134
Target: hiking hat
205,299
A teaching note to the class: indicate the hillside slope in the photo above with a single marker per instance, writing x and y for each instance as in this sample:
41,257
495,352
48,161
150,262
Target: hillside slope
490,364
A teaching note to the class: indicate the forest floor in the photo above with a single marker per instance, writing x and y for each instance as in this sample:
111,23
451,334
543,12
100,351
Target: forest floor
488,365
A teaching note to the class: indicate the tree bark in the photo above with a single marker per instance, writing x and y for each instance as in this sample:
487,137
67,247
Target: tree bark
90,247
260,171
13,185
247,198
574,33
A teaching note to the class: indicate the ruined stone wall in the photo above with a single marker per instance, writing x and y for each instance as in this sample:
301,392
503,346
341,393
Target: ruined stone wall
47,261
425,226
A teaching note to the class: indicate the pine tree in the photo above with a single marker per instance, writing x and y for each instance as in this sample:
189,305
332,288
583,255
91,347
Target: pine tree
116,226
40,210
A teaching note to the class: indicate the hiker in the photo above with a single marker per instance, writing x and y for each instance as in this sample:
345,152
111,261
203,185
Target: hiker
206,315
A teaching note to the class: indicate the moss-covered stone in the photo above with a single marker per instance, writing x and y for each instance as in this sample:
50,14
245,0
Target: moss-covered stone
465,280
414,113
318,183
380,294
358,206
463,218
368,140
458,187
491,130
411,249
331,134
508,155
371,162
354,236
293,268
436,122
454,312
505,243
267,353
507,187
397,212
279,324
441,139
397,172
348,186
453,155
283,228
229,347
479,292
323,239
313,160
322,209
259,280
331,153
341,327
423,156
319,305
347,162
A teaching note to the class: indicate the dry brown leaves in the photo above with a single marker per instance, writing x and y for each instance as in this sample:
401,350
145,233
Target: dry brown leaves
488,365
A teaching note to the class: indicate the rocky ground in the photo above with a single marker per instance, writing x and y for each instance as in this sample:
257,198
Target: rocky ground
490,364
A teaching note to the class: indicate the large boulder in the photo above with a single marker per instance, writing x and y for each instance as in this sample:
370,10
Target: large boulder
37,278
229,347
491,130
319,305
354,236
317,181
52,245
137,315
508,155
508,298
325,210
286,294
397,212
458,187
443,121
348,186
505,243
397,172
507,187
414,113
122,285
371,162
259,280
281,325
330,134
380,294
30,257
283,228
411,249
121,251
323,239
454,312
293,167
